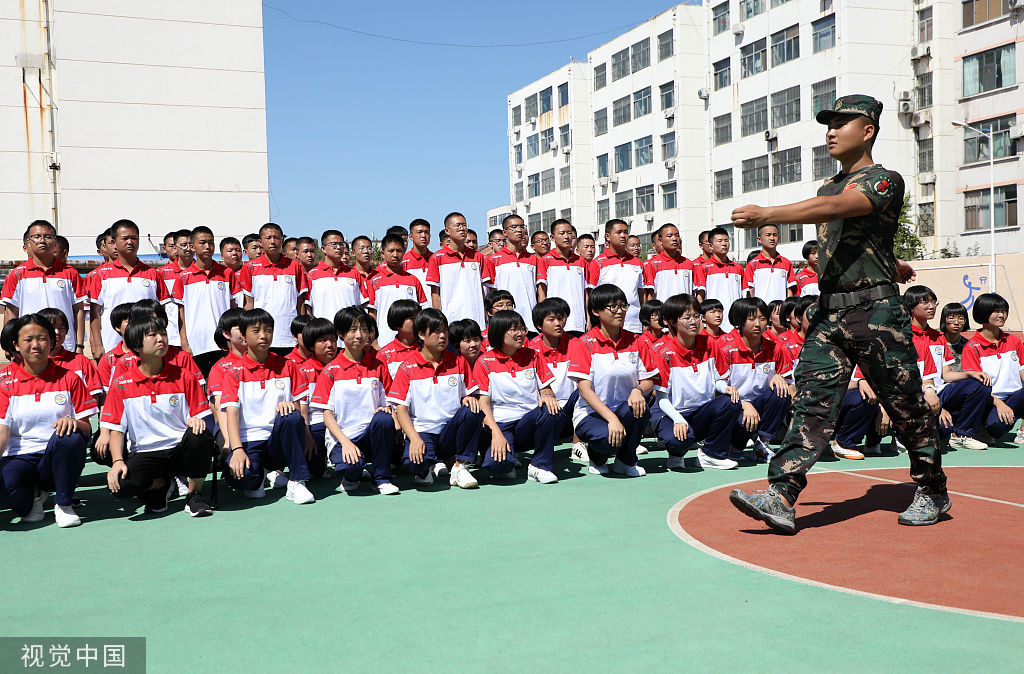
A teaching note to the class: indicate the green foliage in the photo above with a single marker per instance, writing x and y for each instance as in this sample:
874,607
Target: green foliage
908,245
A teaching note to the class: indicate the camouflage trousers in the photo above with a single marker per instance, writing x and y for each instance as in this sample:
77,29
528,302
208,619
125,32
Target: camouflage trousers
877,337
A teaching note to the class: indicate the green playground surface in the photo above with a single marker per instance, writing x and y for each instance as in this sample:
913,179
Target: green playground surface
583,575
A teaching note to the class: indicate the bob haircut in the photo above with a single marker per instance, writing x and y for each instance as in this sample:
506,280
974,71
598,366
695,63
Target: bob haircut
298,323
348,318
744,308
7,338
986,304
786,309
603,296
144,308
649,308
675,307
551,306
255,318
803,304
497,296
955,309
914,295
401,311
229,319
809,247
120,314
138,329
499,325
55,316
317,329
467,328
429,321
710,305
31,319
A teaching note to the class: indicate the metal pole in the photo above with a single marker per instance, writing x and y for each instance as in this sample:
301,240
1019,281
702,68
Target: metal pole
991,211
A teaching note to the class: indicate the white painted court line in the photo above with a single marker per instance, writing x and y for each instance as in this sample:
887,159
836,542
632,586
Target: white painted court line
673,524
853,473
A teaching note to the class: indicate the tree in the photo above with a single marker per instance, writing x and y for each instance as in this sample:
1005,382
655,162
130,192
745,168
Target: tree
908,245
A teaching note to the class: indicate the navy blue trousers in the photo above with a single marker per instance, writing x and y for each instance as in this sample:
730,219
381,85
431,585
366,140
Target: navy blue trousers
57,468
593,430
773,409
712,422
966,401
376,443
460,435
996,427
285,448
537,429
855,418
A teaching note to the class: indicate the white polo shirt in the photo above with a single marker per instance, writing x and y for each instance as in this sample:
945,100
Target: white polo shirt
386,288
614,368
113,284
769,279
460,278
353,392
30,404
432,396
256,389
169,273
29,288
722,281
516,273
513,383
206,295
668,276
557,360
277,289
417,265
331,290
689,376
750,373
566,278
627,273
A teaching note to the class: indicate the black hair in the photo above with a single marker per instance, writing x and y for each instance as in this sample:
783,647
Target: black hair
499,325
362,237
55,316
307,241
442,235
32,319
752,254
371,325
509,218
556,223
809,247
768,224
271,225
786,309
227,241
392,238
120,314
397,230
453,214
249,238
187,233
586,237
610,225
255,317
914,295
660,232
419,222
201,229
8,335
144,308
330,232
676,306
473,232
496,296
711,304
467,328
63,243
955,309
37,223
717,231
348,317
647,309
551,306
803,304
429,320
298,323
603,296
771,310
102,237
169,236
986,304
137,331
317,329
290,239
400,311
123,223
229,319
533,237
493,233
706,234
744,308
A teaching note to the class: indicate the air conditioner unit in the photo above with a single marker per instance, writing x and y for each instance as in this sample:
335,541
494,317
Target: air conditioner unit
703,94
1017,131
649,217
613,179
905,95
517,131
670,164
670,113
737,29
533,121
554,146
771,134
926,178
603,181
1016,4
919,51
921,118
526,205
519,171
906,107
566,149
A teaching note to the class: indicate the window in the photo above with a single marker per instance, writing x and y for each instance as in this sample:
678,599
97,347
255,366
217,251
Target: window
749,8
752,58
645,199
547,181
823,94
644,155
563,94
786,107
977,11
976,144
924,24
723,75
823,33
825,6
601,122
534,222
923,90
720,18
976,206
989,70
621,112
603,212
563,136
620,64
600,76
723,184
545,100
786,166
786,45
518,189
668,196
547,137
566,214
823,166
531,106
776,3
602,166
754,116
755,173
926,219
517,115
665,45
532,146
517,150
533,185
668,146
563,178
640,54
624,204
925,155
750,238
546,219
623,157
642,102
668,95
723,128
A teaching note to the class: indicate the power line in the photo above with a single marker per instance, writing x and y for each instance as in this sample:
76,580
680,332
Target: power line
328,24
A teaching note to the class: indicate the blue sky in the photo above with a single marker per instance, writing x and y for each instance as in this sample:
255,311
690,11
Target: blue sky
365,133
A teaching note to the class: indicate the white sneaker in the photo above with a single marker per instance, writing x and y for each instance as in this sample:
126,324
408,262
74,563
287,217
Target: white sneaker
872,450
641,450
65,516
965,442
440,469
595,469
424,481
36,513
276,479
182,485
298,493
845,452
900,447
540,475
255,493
1019,438
462,478
675,462
706,461
388,489
579,452
628,471
761,448
349,486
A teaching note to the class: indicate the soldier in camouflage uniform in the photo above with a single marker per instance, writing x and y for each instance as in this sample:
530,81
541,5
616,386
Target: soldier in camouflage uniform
859,320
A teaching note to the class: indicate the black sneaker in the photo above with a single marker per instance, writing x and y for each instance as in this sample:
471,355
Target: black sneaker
156,499
766,506
924,509
196,505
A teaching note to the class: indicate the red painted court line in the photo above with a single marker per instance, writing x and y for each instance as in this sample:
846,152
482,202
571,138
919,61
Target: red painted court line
849,540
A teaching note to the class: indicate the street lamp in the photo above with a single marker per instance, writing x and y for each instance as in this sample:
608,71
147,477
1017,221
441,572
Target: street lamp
991,201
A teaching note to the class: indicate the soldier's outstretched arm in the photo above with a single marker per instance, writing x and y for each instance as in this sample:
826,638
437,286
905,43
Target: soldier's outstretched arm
849,204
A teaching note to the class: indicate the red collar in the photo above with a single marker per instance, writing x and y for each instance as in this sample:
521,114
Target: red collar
344,362
163,374
554,252
663,255
519,256
215,268
52,269
610,254
413,253
19,372
250,364
139,266
596,333
283,262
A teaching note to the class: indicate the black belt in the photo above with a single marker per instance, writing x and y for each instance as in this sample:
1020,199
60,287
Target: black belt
830,301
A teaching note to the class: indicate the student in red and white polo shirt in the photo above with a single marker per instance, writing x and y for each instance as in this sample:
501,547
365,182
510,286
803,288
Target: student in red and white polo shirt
554,343
322,339
615,373
123,280
400,320
807,278
204,291
694,399
565,274
456,275
719,278
1000,355
144,309
276,284
45,281
162,411
44,422
333,285
792,340
232,343
769,275
351,394
514,268
417,259
520,409
78,363
617,266
265,413
435,406
669,272
391,284
183,256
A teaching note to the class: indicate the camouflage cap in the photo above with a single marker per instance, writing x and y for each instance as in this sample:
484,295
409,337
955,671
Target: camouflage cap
854,104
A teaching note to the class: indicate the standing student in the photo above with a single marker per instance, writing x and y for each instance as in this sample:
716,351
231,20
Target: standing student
565,274
391,284
807,278
704,243
230,253
105,249
44,280
362,260
277,284
435,406
333,285
540,243
669,272
769,275
252,246
456,274
417,258
520,409
161,410
615,373
290,247
265,414
719,278
514,268
617,266
635,246
1000,355
306,253
401,316
44,422
184,254
586,246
